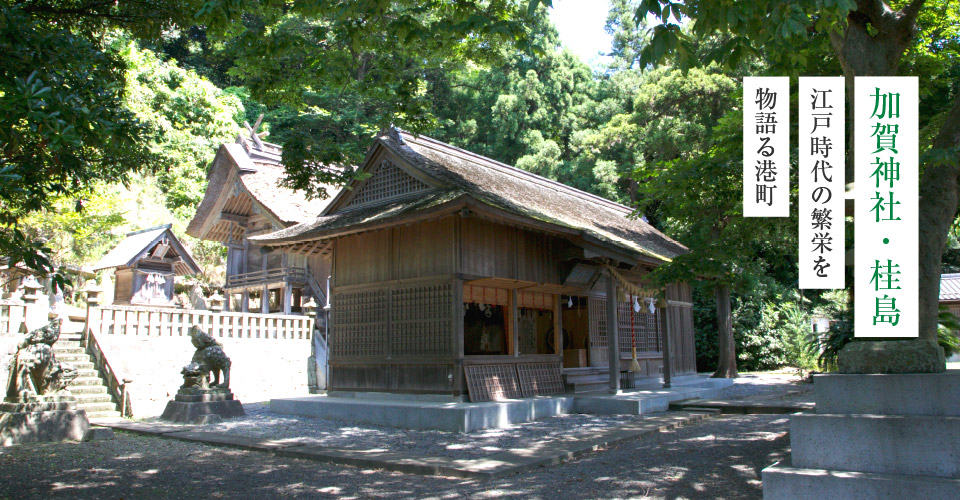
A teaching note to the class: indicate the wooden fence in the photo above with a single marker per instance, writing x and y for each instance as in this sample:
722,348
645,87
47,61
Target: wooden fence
160,322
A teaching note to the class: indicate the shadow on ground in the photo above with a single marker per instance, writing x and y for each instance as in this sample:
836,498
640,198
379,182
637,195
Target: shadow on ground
720,458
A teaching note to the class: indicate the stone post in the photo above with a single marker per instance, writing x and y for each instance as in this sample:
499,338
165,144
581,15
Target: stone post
93,293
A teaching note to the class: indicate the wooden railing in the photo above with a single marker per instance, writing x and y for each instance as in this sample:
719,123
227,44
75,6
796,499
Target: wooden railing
159,322
117,386
291,274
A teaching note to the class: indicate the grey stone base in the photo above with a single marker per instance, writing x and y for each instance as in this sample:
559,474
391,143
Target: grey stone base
43,426
436,412
885,444
930,394
783,482
192,407
892,356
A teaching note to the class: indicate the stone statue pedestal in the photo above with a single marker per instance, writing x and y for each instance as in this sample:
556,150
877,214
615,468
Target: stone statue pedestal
889,436
202,406
42,419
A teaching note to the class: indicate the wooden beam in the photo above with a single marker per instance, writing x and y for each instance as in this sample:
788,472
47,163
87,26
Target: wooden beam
240,220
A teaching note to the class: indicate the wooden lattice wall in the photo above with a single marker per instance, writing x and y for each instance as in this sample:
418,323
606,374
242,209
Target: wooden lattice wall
421,321
649,328
646,327
359,324
388,181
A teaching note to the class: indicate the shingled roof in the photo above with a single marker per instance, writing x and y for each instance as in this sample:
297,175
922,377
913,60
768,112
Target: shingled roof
949,287
138,244
460,177
257,169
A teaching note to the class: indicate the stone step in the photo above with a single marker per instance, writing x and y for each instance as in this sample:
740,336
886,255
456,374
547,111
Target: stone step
67,350
95,407
85,381
930,394
781,481
79,365
582,388
73,358
68,344
77,390
883,444
93,398
96,416
88,372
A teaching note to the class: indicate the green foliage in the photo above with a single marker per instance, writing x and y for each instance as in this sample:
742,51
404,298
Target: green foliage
347,68
62,123
948,327
74,236
187,118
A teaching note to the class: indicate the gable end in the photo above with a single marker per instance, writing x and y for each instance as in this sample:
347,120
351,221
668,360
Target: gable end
387,182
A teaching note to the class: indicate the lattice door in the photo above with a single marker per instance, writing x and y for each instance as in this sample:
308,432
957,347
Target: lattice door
540,379
492,382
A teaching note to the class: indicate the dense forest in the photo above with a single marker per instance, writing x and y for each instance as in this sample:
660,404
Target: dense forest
657,129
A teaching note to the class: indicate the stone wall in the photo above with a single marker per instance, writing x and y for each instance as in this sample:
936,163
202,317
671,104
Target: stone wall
261,368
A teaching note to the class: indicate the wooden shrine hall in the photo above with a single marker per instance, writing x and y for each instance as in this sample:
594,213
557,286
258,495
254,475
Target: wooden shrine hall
453,274
243,199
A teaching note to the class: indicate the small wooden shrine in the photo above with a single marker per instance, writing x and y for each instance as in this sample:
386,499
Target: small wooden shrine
454,274
145,264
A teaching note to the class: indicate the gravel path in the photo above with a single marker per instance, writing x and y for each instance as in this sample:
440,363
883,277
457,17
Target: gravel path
260,422
720,458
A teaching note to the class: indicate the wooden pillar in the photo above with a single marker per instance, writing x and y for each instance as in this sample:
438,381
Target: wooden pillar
265,300
245,301
665,321
613,331
557,324
514,332
287,298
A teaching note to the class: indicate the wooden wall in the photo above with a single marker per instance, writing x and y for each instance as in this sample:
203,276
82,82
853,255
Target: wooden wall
496,250
403,252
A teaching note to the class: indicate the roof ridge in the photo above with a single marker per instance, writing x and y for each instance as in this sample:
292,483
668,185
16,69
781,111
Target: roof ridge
154,228
517,172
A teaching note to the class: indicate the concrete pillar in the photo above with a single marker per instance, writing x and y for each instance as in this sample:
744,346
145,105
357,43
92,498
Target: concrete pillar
613,335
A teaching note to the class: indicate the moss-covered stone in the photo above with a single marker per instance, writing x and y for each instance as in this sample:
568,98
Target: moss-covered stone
892,356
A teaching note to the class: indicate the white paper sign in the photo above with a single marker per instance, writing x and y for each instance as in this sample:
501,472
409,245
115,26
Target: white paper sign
821,181
766,146
887,200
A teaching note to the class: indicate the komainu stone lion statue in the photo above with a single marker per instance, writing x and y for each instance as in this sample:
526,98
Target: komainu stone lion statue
34,370
209,359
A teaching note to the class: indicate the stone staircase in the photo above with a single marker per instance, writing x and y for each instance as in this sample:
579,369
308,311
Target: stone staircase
89,388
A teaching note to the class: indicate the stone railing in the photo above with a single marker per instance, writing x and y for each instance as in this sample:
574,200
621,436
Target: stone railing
160,322
12,317
116,384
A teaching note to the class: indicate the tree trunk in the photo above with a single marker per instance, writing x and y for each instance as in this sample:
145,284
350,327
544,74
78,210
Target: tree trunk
939,197
727,362
862,54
